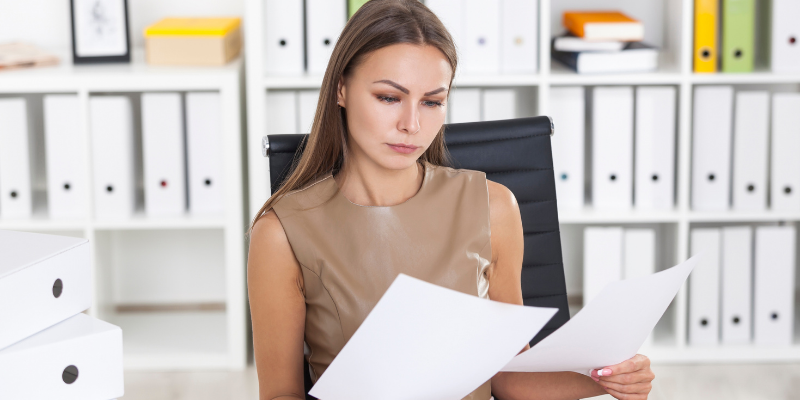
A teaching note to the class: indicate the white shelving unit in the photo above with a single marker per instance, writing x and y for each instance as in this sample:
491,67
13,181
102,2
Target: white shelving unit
181,251
669,25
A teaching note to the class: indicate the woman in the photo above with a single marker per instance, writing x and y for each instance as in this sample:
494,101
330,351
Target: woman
373,196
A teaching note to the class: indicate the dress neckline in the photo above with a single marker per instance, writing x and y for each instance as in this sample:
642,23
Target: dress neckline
426,168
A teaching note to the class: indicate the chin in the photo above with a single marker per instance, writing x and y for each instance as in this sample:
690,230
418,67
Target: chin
398,161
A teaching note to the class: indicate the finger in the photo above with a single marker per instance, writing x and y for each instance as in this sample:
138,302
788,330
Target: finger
632,364
625,396
631,378
635,388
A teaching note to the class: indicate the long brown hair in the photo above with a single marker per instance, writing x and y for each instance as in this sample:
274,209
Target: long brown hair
377,24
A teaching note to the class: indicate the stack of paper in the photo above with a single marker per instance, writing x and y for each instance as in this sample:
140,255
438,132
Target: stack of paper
48,348
443,344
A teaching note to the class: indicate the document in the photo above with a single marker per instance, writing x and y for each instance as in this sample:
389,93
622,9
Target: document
608,330
422,341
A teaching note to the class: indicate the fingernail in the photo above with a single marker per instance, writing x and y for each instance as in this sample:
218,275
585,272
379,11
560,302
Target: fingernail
604,372
595,379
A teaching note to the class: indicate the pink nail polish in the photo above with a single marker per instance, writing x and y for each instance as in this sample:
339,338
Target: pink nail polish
604,372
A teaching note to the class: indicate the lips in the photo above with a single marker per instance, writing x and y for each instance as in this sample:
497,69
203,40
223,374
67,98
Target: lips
408,146
403,148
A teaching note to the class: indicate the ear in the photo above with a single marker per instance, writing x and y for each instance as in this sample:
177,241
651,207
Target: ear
340,92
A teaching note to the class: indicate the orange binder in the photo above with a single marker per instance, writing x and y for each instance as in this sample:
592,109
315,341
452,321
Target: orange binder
706,17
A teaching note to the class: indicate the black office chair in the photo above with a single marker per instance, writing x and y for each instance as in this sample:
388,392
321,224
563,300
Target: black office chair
515,153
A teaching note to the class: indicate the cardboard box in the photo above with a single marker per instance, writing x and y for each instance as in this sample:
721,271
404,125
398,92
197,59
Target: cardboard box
193,41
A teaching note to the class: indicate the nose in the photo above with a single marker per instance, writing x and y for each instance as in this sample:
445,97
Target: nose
409,120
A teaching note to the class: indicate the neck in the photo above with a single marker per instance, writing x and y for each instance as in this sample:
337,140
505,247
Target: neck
368,184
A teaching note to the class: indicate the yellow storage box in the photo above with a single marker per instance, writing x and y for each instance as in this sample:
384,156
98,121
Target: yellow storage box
193,41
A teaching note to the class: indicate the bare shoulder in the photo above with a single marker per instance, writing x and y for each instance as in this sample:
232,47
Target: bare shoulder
270,251
268,228
502,203
504,219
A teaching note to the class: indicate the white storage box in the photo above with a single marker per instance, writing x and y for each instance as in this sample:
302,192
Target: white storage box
44,279
77,359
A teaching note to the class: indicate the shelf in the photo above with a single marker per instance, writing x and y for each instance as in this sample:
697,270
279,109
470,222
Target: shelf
589,215
743,216
173,340
723,354
665,75
134,76
141,221
42,224
756,77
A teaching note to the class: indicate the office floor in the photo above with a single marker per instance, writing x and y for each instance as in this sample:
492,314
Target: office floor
730,382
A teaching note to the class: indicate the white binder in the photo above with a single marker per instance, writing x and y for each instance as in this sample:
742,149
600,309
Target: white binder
655,147
77,359
639,253
711,144
481,50
65,152
773,313
612,147
704,288
751,131
44,279
282,113
602,259
163,153
325,20
785,35
307,107
567,111
737,284
451,13
283,39
15,160
204,152
518,49
639,257
465,106
111,130
499,104
785,184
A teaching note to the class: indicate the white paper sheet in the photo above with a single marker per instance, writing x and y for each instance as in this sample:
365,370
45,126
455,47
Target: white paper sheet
608,330
423,341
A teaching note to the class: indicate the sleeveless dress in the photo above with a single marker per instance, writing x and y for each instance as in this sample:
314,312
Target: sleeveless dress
350,253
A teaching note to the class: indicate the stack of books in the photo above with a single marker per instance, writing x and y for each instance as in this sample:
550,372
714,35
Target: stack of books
603,42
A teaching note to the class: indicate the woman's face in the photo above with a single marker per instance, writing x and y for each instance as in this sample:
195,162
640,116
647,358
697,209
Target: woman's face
396,96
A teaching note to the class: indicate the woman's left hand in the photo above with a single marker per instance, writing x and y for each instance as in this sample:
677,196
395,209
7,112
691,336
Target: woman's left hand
628,380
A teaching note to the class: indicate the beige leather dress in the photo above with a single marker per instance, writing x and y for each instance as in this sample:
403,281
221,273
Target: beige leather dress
350,253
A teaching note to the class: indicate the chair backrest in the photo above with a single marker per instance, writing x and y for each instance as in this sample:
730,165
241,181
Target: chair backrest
517,154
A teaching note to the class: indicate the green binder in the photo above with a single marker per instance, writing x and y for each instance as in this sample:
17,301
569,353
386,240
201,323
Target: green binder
353,6
738,35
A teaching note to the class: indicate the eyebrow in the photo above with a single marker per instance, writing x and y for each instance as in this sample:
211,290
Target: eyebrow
404,90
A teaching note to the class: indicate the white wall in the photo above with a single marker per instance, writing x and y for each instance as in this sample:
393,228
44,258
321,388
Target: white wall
47,22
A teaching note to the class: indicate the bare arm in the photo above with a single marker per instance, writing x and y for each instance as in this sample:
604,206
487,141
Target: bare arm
277,309
505,285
